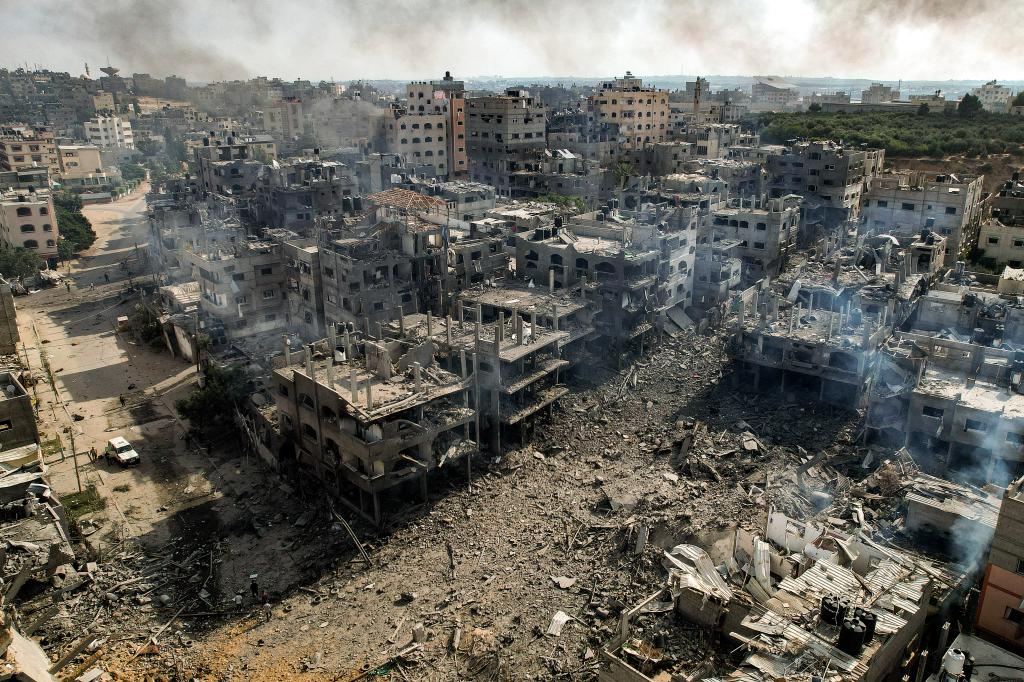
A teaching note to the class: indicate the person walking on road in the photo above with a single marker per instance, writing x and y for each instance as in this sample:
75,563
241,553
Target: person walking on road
106,277
67,283
254,587
122,399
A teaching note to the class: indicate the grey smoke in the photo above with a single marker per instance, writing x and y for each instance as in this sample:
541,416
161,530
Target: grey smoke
421,38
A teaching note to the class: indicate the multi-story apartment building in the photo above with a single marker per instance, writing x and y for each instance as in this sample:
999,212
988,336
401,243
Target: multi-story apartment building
642,113
557,171
713,140
878,93
766,230
242,288
390,267
110,132
24,147
81,168
904,203
502,131
830,177
304,288
386,413
772,94
455,92
994,97
231,165
28,220
294,194
420,130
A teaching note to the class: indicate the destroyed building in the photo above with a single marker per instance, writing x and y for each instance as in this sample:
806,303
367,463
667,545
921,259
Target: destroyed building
501,132
364,415
831,178
304,288
294,194
241,288
819,334
831,597
638,263
948,386
766,229
394,264
524,337
905,202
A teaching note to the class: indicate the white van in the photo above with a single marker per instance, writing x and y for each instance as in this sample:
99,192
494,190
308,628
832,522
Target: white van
121,451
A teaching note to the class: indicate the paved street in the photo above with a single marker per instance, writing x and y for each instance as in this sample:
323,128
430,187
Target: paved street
93,366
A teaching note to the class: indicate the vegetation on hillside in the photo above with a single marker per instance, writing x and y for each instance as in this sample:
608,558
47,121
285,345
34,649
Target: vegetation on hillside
75,229
905,134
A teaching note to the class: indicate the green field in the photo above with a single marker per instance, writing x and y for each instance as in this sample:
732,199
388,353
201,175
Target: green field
903,134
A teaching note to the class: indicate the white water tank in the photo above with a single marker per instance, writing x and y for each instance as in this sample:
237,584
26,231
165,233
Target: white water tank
953,662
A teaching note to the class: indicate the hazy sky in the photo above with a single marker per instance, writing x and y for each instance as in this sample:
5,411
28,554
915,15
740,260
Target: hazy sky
345,39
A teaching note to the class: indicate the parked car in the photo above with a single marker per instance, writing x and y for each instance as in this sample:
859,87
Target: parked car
121,451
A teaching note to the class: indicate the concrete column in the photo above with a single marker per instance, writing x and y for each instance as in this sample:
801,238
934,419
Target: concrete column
430,324
448,329
500,332
551,281
369,393
330,372
416,376
309,362
348,344
461,314
554,317
462,361
332,337
287,350
533,323
401,322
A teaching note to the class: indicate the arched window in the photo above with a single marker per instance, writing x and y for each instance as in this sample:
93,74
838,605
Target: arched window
24,210
427,126
44,211
47,227
28,227
31,244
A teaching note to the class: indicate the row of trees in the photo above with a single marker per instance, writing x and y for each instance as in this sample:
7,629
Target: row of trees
973,132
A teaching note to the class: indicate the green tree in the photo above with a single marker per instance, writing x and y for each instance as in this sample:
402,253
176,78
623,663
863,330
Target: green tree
147,147
133,171
815,108
622,172
211,409
1018,101
18,262
969,106
72,223
923,109
565,203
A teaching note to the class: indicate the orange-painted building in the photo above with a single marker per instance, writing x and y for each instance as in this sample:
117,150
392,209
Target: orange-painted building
1000,614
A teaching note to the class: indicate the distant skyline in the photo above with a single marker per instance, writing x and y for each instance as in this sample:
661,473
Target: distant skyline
419,39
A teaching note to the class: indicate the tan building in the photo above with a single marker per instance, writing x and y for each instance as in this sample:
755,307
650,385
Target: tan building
28,220
420,132
642,113
1002,244
24,147
81,167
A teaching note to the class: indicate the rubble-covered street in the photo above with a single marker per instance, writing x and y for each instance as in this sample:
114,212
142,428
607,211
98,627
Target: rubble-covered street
551,527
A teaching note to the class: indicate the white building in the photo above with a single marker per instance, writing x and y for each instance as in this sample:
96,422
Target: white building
994,97
109,132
